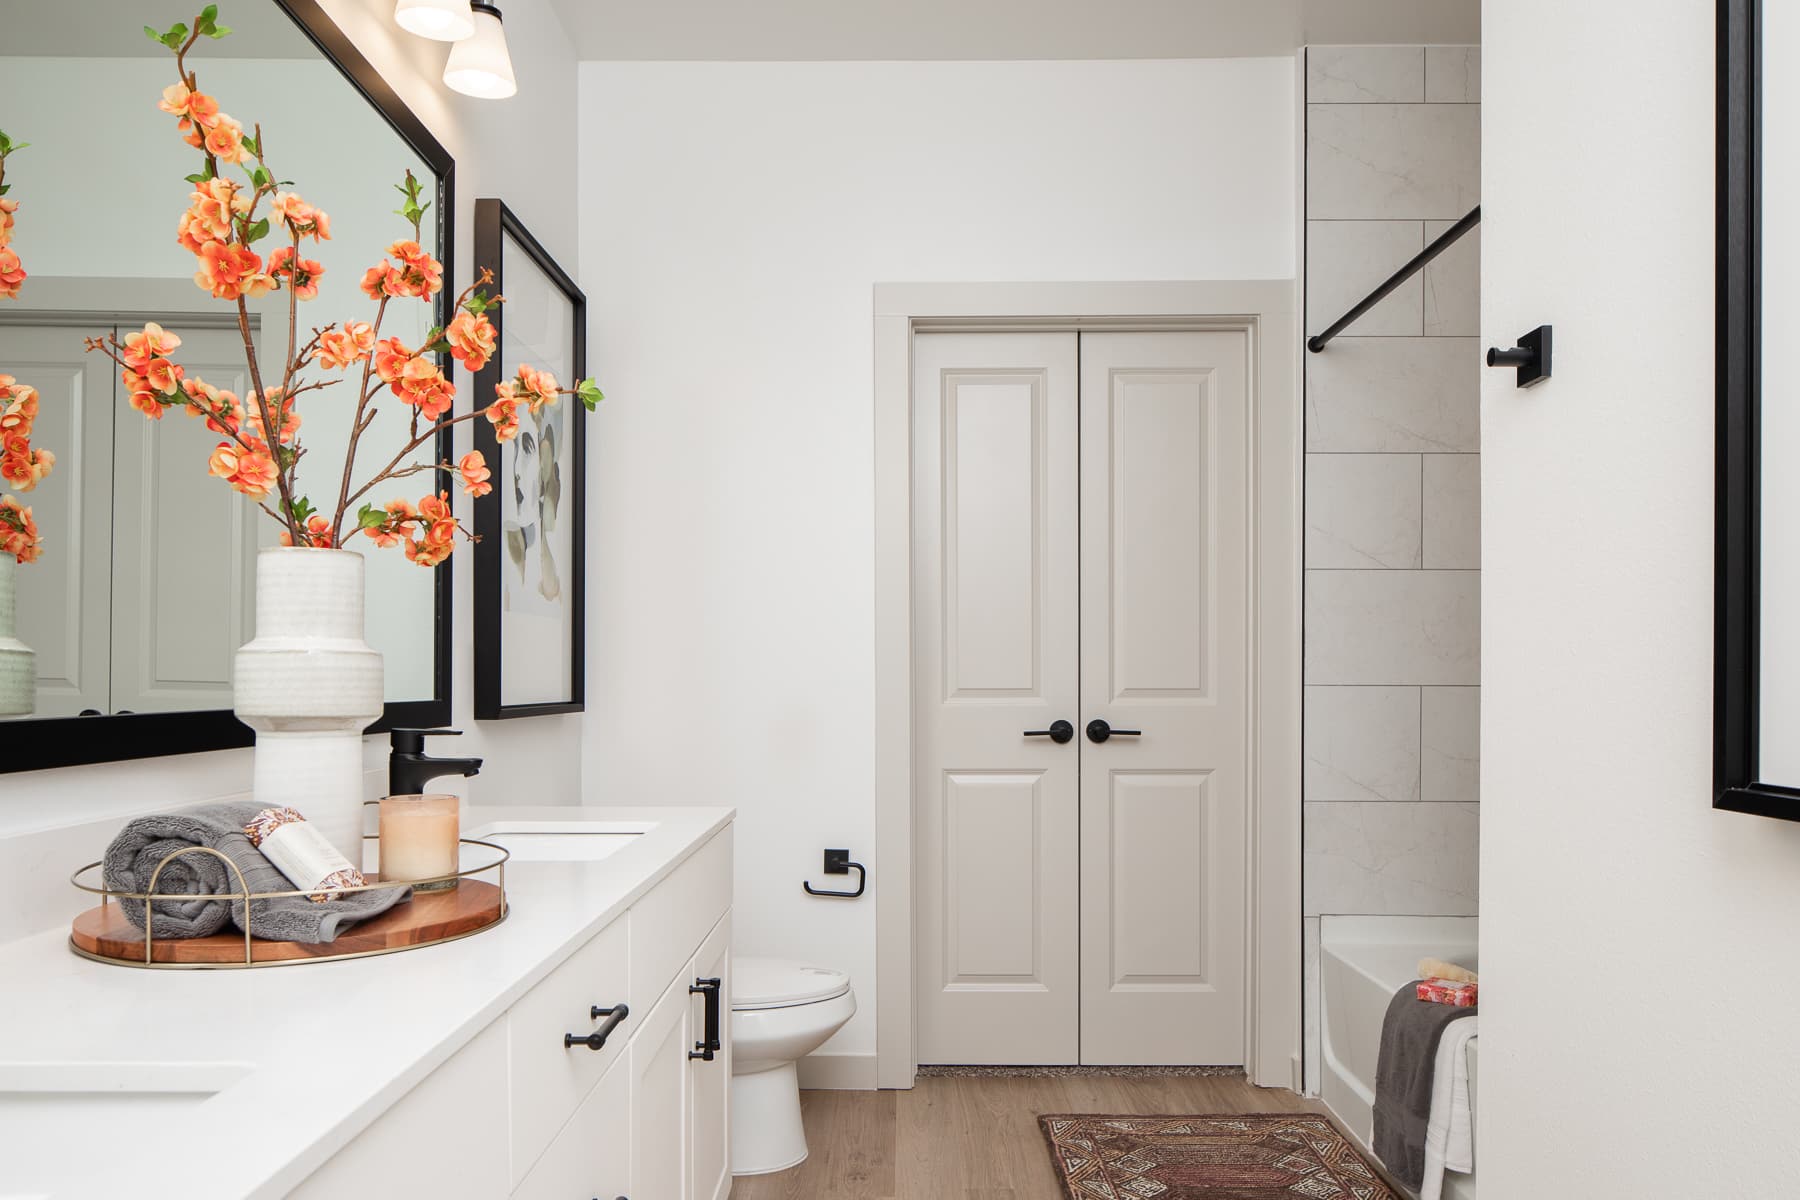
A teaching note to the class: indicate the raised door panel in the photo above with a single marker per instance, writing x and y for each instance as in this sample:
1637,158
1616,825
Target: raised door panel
659,1099
64,597
591,1158
995,615
184,550
709,1082
1165,627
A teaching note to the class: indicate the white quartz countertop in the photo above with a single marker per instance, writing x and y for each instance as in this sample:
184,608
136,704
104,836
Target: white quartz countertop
303,1057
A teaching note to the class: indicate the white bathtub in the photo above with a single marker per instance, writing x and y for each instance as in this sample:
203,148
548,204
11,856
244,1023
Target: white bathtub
1363,961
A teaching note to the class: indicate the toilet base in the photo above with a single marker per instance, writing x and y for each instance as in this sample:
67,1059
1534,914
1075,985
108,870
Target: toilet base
766,1131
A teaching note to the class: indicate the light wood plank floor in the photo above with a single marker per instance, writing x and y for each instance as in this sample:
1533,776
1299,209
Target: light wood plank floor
976,1139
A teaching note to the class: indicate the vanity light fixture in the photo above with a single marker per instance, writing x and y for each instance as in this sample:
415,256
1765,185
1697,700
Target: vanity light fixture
439,20
481,66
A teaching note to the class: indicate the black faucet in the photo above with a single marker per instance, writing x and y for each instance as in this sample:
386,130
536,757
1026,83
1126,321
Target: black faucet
410,769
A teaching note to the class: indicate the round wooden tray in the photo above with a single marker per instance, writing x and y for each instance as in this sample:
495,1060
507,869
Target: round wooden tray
104,934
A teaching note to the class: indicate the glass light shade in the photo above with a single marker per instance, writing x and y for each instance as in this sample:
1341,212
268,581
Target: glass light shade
481,65
439,20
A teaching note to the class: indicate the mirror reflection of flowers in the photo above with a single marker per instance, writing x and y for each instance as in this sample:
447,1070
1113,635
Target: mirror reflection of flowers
261,450
21,464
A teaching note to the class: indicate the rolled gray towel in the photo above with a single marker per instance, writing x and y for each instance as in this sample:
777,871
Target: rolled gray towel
146,841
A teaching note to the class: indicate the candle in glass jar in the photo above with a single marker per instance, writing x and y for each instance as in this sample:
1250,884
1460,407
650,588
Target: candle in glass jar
419,839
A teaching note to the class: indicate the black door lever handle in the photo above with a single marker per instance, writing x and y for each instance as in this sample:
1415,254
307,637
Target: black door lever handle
1098,731
1060,732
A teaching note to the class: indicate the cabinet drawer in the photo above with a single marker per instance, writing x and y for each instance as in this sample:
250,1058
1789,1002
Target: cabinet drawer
548,1080
672,920
591,1157
461,1104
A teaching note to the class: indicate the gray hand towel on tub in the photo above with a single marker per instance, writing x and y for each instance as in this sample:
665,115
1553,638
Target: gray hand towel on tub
1403,1078
143,843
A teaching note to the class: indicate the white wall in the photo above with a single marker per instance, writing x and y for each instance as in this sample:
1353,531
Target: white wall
1602,861
735,218
523,150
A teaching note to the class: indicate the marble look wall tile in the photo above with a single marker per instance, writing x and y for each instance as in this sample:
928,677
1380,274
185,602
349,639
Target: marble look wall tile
1384,162
1452,511
1452,285
1393,627
1453,74
1364,510
1387,859
1345,260
1450,737
1365,74
1312,1032
1360,743
1394,395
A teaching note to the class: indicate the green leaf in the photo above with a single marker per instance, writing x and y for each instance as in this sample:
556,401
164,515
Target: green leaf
300,509
589,393
260,177
257,232
5,188
195,179
370,517
250,143
286,456
209,14
152,34
218,31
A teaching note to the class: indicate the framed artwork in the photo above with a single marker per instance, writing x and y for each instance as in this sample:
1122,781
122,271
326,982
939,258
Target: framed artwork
530,562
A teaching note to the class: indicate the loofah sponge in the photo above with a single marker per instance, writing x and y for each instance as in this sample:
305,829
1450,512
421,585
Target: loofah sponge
1437,968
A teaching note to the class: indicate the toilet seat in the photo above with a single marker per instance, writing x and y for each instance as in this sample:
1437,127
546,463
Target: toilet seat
765,983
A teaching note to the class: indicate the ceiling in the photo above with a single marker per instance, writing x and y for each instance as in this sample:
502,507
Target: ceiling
981,30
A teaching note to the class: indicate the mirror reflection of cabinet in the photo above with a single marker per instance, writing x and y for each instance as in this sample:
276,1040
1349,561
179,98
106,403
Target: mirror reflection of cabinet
155,590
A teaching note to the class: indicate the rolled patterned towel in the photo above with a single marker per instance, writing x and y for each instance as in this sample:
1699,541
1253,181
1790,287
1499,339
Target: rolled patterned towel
1437,968
145,842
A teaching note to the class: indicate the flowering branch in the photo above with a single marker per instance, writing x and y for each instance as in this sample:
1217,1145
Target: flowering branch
262,451
21,465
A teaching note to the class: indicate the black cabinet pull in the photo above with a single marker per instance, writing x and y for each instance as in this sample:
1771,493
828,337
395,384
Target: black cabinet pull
1098,731
1060,732
708,1047
596,1040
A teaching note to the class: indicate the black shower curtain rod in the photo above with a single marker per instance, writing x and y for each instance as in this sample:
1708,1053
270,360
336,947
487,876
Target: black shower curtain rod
1441,243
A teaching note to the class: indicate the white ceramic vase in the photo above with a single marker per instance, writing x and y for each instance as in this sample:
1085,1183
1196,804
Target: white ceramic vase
18,665
308,684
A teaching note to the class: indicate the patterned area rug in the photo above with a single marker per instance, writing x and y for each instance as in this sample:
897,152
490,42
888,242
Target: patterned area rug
1254,1156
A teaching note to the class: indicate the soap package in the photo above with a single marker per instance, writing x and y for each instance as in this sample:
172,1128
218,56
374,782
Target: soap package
1444,991
300,852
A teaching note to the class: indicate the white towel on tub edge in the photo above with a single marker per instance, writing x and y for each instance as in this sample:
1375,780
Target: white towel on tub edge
1450,1133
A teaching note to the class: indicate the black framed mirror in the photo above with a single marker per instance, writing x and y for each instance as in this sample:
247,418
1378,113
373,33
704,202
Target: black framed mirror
135,627
1756,666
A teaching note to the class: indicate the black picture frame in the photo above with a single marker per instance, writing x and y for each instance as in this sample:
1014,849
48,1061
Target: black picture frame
1737,785
80,741
495,226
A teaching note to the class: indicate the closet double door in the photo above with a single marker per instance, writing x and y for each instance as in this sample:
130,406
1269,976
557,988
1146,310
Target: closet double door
1081,630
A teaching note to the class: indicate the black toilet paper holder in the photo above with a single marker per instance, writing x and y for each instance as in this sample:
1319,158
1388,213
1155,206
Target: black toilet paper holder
837,862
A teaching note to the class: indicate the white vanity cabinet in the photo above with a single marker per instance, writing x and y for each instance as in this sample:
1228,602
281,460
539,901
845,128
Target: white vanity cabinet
646,1117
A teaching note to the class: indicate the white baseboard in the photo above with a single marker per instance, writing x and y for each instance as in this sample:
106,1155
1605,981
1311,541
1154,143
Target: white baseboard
838,1072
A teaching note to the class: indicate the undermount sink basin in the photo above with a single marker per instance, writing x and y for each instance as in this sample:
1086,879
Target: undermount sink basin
562,841
51,1112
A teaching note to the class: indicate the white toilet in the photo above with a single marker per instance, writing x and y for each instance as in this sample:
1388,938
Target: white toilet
781,1011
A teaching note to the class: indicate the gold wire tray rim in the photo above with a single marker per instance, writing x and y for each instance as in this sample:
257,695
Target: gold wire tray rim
106,893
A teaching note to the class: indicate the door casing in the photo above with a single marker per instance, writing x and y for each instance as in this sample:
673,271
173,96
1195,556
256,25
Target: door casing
1265,311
